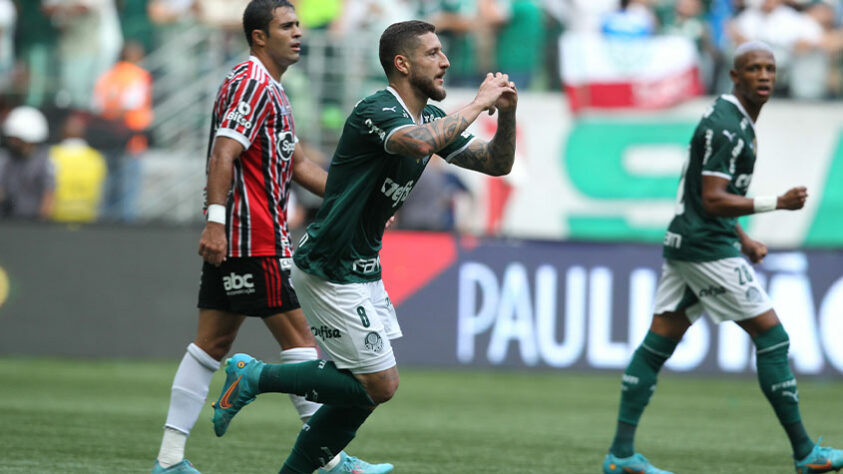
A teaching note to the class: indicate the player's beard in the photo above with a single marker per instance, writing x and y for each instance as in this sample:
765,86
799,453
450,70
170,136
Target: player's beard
428,87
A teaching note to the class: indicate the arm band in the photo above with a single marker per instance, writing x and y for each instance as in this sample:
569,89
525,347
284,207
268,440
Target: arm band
765,203
216,213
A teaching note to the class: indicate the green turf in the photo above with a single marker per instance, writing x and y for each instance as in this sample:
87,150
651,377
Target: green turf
81,416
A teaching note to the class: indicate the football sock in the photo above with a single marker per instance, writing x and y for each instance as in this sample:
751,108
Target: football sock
304,407
189,390
779,386
318,381
637,386
329,430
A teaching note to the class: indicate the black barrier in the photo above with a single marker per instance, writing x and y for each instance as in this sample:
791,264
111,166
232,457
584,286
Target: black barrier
131,292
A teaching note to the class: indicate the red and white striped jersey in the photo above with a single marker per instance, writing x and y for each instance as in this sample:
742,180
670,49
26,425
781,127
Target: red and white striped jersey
252,108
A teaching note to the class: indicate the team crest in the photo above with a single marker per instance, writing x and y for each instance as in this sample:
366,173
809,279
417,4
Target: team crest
753,295
373,342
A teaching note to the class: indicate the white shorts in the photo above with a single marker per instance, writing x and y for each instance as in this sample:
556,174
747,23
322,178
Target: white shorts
352,322
727,289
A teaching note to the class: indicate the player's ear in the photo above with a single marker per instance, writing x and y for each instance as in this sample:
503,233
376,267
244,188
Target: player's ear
402,64
259,37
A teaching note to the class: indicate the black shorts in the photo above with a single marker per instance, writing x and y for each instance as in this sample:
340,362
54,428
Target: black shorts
253,286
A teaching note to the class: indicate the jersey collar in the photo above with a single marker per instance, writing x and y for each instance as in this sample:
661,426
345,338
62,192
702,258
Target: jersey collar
258,62
401,101
734,100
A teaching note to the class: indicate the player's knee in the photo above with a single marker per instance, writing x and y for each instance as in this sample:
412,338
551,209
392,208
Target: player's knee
383,391
217,347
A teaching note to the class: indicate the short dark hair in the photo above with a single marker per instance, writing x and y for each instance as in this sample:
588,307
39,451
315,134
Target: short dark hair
400,38
258,15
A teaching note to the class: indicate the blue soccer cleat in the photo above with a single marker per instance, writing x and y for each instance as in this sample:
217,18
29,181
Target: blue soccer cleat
350,464
635,464
184,467
820,459
242,373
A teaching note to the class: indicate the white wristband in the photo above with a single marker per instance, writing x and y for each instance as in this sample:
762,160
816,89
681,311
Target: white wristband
765,203
216,213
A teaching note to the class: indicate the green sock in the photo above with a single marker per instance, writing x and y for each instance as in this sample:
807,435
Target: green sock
327,432
637,386
779,386
319,381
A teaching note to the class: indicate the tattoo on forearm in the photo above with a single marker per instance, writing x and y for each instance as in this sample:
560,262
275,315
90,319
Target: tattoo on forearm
495,157
436,135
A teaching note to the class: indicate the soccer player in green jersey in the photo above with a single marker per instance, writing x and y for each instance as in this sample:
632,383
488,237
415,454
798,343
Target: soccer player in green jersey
703,268
385,145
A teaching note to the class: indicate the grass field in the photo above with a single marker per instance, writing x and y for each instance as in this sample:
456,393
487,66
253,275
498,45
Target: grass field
82,416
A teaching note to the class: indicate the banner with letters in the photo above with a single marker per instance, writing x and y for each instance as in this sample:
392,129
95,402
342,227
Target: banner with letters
555,305
614,176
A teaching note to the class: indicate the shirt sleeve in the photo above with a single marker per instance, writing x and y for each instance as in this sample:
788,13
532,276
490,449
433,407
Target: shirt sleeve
376,123
245,111
720,148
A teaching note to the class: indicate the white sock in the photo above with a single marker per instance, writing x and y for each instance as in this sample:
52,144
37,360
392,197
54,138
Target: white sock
304,407
190,388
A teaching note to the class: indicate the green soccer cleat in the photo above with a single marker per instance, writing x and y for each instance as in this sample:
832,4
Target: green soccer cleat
635,464
184,467
820,459
350,464
242,372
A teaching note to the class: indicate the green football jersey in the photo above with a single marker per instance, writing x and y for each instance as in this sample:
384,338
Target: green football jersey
366,185
723,145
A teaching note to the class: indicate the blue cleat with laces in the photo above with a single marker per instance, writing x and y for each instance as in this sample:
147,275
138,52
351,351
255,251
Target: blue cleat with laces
820,459
242,373
635,464
350,464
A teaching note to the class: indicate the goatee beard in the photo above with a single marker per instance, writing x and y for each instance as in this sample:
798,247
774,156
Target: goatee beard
428,88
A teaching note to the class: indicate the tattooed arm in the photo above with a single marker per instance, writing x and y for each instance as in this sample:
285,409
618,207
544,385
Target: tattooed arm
496,157
420,141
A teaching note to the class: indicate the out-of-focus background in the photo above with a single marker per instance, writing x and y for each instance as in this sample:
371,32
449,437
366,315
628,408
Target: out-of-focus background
105,111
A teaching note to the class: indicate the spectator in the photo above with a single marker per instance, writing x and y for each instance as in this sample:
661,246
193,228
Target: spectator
455,21
817,69
634,19
790,34
432,205
35,39
27,181
520,42
89,43
583,16
80,172
8,15
123,99
687,21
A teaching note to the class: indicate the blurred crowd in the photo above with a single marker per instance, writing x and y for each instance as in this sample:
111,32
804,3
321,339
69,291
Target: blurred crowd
76,95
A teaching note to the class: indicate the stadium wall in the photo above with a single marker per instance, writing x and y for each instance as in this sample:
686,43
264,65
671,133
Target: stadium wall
100,291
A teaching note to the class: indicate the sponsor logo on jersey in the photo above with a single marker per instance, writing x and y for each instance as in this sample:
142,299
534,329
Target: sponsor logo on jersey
374,129
366,265
743,180
785,384
235,284
396,192
239,115
729,135
373,342
672,239
391,109
325,332
712,291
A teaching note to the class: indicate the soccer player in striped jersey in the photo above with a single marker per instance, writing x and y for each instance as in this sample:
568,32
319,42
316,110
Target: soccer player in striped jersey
253,156
386,143
703,268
